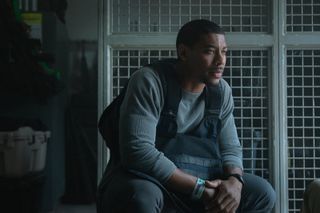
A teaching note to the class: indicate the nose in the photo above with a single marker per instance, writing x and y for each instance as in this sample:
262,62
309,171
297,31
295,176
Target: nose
218,59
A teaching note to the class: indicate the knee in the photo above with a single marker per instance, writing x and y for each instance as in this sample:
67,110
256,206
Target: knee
259,194
130,195
146,198
265,194
147,195
310,197
314,187
269,195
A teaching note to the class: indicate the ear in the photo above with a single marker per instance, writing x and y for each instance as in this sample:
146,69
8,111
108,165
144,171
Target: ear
183,52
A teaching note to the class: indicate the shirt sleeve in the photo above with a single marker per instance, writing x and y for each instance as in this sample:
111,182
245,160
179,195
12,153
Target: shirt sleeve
230,147
139,115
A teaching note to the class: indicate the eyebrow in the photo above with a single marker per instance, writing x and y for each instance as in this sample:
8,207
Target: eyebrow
212,46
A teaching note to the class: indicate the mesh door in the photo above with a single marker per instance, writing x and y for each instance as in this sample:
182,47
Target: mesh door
303,116
127,61
247,74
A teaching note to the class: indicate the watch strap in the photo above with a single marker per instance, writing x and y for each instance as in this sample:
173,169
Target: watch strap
237,176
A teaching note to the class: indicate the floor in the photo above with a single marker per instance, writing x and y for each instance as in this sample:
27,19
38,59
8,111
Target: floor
75,209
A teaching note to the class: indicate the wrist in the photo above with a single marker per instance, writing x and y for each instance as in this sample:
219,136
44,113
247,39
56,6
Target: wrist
198,189
236,176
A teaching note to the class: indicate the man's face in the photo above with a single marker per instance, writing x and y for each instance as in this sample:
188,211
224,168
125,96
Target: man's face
207,58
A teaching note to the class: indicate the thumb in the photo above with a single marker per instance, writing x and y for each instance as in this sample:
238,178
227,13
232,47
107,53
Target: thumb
213,183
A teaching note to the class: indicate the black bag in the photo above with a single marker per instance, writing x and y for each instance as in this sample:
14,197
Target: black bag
109,124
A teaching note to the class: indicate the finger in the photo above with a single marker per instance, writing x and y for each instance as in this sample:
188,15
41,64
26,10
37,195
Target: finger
224,201
226,204
220,196
213,183
230,208
211,192
234,208
216,202
229,204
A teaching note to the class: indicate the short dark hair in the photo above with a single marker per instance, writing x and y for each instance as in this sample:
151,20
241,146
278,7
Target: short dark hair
190,33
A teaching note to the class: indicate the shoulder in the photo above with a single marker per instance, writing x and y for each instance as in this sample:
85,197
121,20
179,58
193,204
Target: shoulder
145,74
145,78
155,76
146,81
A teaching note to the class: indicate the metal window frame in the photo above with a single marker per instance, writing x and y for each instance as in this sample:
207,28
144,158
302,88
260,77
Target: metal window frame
279,108
104,76
177,12
287,40
278,40
298,146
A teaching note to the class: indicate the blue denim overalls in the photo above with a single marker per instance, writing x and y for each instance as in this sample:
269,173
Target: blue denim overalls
197,151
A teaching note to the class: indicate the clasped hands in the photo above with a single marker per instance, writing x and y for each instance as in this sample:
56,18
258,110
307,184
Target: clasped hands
222,196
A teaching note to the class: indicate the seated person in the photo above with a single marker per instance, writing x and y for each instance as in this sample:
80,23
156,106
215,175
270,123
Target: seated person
193,152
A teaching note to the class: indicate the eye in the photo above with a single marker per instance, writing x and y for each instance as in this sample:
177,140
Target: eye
210,51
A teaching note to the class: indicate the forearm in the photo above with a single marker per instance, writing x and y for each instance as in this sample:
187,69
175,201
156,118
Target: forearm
232,170
181,182
230,147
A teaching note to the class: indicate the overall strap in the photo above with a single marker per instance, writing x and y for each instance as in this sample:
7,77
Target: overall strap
168,76
167,126
213,99
173,96
213,104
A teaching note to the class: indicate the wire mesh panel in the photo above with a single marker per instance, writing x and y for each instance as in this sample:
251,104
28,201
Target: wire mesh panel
170,15
247,74
125,62
303,15
303,116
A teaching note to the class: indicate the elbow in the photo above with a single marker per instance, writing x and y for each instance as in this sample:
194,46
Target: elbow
128,164
126,160
131,160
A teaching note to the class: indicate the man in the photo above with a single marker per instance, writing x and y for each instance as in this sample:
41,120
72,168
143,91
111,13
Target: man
195,152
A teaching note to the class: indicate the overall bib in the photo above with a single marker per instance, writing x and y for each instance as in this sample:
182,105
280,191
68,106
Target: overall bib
197,151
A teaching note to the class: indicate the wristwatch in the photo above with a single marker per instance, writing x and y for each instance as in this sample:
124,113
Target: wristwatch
239,177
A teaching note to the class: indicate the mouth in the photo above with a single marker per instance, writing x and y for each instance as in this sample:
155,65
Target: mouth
216,72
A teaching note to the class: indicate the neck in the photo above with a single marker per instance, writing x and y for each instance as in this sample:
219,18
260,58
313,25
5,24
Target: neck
187,81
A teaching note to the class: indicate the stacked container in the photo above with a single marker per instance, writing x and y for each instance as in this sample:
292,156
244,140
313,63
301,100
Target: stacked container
22,151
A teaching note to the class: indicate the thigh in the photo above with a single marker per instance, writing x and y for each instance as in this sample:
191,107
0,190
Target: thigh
257,195
125,192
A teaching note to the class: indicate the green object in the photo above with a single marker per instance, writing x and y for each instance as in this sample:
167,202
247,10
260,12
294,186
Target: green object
50,71
16,10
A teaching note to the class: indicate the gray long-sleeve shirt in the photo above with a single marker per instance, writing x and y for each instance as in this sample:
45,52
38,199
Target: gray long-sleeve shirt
139,115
